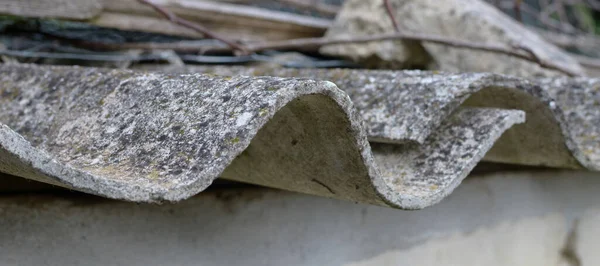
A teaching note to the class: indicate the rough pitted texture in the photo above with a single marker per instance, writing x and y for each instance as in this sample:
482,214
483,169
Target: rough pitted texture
472,20
161,134
400,106
448,154
580,101
153,137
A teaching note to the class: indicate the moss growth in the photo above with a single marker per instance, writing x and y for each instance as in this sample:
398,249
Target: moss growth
263,111
154,174
235,140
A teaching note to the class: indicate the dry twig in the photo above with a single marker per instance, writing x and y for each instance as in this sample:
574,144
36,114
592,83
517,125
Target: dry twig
494,48
390,12
522,53
319,42
531,56
194,26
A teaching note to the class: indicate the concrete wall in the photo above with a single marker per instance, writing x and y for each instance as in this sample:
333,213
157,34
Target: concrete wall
529,218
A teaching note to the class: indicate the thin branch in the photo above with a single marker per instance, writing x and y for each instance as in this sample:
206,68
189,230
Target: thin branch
530,52
194,26
520,51
202,46
390,12
515,51
493,48
531,56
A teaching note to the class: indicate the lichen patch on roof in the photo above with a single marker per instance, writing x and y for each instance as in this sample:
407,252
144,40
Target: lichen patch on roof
403,106
155,137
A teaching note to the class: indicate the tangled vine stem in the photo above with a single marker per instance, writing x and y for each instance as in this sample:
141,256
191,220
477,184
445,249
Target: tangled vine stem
519,52
530,55
194,26
390,12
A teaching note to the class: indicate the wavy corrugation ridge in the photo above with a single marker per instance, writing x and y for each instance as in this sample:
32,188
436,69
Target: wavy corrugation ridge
563,114
156,137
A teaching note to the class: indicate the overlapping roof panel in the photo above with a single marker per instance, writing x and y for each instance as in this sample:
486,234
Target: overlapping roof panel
400,138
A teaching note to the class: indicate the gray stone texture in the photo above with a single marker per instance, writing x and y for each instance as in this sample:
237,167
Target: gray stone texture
472,20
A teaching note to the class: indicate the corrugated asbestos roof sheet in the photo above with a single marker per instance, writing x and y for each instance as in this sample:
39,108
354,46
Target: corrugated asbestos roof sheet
400,138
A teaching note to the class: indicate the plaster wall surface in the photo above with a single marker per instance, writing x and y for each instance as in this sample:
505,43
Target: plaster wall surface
527,218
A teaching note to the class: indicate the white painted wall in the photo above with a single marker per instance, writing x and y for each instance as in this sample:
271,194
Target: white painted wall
500,219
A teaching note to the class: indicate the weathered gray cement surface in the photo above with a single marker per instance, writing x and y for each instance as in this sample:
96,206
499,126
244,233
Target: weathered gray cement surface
400,106
154,137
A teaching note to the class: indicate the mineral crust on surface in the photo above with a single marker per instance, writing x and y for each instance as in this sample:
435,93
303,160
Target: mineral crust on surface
165,137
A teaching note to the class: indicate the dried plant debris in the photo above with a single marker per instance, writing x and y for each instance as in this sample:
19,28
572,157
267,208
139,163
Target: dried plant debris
476,21
164,137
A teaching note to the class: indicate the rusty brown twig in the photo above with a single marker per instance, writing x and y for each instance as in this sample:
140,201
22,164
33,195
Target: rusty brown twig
518,52
529,54
534,57
488,47
390,12
309,43
194,26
